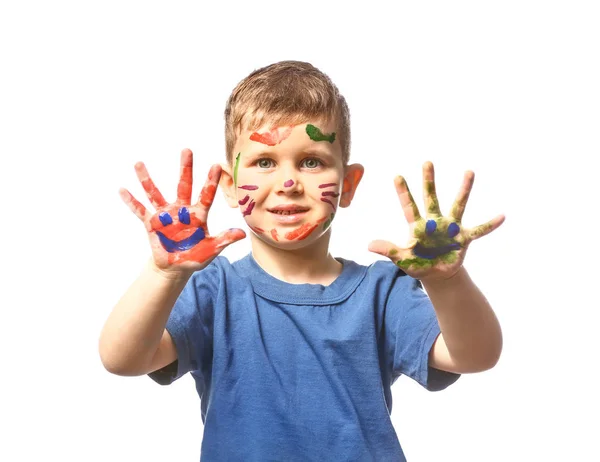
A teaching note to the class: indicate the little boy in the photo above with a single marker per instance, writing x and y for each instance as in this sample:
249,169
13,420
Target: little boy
293,351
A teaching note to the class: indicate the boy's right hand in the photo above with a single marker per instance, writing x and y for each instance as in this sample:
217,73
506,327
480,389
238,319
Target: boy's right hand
178,232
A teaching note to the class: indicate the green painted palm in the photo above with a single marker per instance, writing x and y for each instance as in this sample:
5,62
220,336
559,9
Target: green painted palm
437,245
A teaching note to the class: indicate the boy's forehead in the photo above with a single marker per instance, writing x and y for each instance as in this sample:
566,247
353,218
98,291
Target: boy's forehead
312,134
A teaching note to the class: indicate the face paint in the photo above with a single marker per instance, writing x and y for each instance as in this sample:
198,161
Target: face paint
289,183
301,233
272,137
328,194
244,200
248,210
329,220
235,169
274,234
249,187
256,229
317,135
329,202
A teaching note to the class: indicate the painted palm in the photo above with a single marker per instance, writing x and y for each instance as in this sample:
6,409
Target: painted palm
178,231
437,244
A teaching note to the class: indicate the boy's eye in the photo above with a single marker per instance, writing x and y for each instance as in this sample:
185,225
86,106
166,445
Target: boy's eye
264,163
312,162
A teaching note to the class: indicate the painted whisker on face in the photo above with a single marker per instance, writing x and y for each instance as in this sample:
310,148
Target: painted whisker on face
329,202
274,234
327,185
244,200
249,187
301,233
272,137
256,229
248,210
330,193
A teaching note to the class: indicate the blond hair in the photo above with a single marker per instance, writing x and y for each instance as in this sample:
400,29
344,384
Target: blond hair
286,93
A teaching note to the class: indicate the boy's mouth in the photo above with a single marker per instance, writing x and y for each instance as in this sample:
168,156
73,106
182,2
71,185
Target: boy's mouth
288,210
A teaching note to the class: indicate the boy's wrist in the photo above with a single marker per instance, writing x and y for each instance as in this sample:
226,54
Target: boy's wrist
169,274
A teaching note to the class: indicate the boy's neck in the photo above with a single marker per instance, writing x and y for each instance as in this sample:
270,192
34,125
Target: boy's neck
308,265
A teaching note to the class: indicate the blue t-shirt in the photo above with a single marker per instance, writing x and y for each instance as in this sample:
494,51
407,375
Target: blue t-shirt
301,372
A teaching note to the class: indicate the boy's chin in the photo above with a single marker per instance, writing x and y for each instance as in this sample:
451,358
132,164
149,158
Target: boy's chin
289,245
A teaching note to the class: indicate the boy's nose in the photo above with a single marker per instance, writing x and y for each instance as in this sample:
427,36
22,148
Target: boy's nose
290,185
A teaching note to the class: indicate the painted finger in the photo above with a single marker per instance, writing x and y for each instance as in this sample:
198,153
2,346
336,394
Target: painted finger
458,208
429,195
184,188
409,206
207,195
486,228
391,250
229,237
156,198
134,205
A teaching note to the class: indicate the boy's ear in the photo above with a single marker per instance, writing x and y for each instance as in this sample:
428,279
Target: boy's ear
227,185
352,176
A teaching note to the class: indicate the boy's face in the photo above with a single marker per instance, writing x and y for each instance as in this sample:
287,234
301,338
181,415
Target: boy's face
289,181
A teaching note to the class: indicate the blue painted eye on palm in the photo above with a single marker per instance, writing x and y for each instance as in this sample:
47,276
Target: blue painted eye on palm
437,244
171,245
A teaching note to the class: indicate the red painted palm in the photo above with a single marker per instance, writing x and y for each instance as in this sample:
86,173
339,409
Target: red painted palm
178,232
437,244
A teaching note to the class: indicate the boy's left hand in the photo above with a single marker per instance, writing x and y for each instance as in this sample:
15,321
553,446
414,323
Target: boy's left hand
437,244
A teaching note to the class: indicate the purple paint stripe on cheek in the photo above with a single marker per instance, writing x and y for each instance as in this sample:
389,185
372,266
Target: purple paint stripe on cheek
248,210
249,187
288,183
329,202
330,193
244,200
327,185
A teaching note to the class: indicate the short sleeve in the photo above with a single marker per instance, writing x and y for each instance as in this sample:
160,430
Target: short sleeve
411,330
190,324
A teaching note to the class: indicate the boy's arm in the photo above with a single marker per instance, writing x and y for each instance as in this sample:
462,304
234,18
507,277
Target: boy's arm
133,340
471,337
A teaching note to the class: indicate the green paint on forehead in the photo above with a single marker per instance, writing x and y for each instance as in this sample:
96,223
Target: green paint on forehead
235,169
317,135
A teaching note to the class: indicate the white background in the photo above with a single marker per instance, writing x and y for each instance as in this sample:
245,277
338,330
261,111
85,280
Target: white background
508,89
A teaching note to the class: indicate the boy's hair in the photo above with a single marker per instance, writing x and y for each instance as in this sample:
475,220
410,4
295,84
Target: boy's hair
286,93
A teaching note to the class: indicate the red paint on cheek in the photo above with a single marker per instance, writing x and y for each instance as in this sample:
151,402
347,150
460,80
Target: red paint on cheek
274,234
301,233
249,187
208,195
244,200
